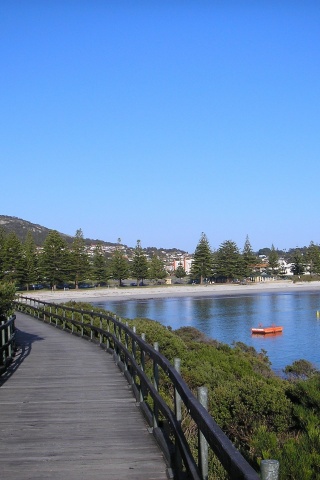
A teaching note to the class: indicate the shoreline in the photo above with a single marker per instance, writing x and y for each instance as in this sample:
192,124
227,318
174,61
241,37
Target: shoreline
99,294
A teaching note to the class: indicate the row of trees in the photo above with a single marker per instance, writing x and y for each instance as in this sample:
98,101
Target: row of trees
229,263
58,263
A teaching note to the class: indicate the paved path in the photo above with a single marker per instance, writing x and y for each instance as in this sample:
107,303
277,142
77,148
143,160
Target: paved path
67,413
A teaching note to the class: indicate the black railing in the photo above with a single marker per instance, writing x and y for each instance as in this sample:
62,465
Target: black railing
152,377
7,342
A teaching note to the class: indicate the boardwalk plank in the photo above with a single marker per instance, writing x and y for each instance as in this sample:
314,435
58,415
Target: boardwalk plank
67,412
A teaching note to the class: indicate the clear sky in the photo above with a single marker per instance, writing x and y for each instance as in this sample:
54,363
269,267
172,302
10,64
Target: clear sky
159,120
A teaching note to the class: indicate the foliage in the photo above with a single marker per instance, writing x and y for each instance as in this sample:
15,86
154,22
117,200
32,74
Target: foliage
7,294
99,265
202,260
54,264
249,258
228,261
30,261
180,271
298,263
79,264
265,416
119,265
12,265
313,258
157,269
273,260
300,369
139,266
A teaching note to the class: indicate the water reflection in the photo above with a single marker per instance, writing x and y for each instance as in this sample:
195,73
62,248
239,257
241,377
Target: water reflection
230,319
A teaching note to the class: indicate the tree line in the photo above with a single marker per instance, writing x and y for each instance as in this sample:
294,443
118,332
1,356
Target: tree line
228,262
60,263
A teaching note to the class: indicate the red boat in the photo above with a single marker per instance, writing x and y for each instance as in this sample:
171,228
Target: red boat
267,330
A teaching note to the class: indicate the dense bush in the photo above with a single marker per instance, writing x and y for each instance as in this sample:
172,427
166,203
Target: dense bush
264,416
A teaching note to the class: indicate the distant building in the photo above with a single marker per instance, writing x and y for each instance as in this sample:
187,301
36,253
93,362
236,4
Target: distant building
185,262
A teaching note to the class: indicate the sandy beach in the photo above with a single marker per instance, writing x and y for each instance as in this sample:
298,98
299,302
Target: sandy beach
127,293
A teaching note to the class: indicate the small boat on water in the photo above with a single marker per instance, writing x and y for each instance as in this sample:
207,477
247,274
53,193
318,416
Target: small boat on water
267,330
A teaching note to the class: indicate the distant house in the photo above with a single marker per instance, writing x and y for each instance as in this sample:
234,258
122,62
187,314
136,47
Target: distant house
185,262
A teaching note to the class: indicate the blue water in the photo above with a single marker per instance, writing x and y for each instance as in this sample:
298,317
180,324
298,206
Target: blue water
230,319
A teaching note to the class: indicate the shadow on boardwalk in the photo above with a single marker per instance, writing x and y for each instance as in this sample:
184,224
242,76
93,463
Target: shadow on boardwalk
66,412
24,341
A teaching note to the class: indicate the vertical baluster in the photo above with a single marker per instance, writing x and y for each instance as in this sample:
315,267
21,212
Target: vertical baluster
100,326
156,386
178,414
134,353
142,364
202,443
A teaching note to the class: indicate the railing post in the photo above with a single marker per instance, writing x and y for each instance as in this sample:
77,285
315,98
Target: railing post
82,329
155,415
134,352
142,364
100,326
203,445
91,325
72,318
3,341
269,469
126,346
178,414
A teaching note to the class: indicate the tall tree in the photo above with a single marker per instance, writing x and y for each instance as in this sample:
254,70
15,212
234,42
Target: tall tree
180,271
2,251
298,263
201,267
273,260
53,259
119,264
99,265
30,260
79,261
139,266
12,263
249,258
313,258
229,263
157,269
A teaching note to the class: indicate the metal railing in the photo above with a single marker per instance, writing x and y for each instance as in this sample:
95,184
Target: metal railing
7,342
152,377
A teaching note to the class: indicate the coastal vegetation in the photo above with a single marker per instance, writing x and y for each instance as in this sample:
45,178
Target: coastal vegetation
265,416
59,263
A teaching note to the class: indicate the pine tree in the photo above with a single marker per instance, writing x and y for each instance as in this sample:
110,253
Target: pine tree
201,267
157,269
139,267
313,258
229,263
30,260
273,260
119,264
79,262
99,265
13,258
249,258
298,264
180,271
2,251
54,263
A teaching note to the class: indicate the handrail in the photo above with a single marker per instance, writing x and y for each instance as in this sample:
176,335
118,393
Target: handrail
113,335
7,342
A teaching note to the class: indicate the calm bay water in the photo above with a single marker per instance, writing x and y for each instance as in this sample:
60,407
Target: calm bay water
229,319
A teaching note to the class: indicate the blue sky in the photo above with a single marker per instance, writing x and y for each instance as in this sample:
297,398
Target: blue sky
159,120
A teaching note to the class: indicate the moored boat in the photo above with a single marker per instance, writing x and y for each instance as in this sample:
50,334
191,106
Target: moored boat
267,330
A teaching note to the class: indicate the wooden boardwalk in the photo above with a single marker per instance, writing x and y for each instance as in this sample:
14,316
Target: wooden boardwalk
66,412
